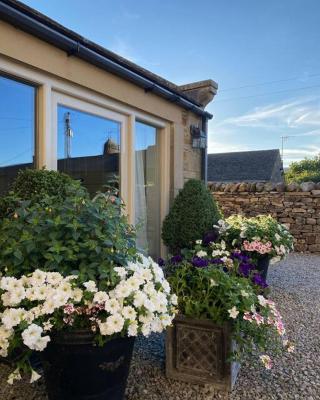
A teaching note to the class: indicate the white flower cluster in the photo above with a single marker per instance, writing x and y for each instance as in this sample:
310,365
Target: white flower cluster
139,303
141,300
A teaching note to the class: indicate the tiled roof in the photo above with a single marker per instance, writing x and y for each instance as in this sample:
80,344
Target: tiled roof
256,166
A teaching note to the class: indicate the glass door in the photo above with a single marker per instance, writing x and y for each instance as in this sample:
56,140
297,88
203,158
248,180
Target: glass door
147,188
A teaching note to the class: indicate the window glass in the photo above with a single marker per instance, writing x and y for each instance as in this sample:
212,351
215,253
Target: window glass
147,189
88,147
17,129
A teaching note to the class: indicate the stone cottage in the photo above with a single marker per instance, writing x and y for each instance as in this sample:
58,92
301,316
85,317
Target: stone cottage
72,105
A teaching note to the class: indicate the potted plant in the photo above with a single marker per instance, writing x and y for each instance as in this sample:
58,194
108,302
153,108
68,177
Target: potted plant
84,330
221,319
261,237
74,288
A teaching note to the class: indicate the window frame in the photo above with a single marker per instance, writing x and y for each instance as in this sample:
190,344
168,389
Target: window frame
49,88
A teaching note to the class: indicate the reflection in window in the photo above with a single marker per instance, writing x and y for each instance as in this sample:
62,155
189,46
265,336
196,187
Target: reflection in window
88,147
17,129
147,189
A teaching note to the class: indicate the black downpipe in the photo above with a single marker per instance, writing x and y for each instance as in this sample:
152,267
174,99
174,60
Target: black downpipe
204,154
73,47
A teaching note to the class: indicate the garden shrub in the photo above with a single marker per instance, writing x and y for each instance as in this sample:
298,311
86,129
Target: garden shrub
77,236
36,186
193,213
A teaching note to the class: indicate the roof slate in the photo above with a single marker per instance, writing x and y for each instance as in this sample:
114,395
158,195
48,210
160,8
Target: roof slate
255,166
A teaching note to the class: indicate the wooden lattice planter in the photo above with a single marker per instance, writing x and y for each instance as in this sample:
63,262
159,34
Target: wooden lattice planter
197,352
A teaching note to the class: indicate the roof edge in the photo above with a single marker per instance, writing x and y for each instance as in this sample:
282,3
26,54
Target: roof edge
37,24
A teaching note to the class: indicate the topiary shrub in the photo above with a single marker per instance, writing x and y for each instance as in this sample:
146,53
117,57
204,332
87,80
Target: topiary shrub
193,213
37,186
33,184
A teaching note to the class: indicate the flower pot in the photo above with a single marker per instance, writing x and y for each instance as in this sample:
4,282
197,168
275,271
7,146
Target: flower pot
197,351
263,265
76,369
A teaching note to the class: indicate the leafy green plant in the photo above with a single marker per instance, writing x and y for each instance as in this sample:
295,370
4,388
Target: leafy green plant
193,213
210,293
79,235
304,171
37,185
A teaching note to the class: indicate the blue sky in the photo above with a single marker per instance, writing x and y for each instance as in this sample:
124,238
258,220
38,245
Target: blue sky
265,56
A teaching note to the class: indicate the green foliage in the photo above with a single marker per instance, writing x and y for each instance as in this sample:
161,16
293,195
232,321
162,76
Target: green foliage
223,298
37,185
76,236
304,171
192,214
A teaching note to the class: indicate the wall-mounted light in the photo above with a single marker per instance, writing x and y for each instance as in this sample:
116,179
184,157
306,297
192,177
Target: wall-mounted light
199,138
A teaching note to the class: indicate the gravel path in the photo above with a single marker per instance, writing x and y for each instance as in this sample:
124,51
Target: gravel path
296,288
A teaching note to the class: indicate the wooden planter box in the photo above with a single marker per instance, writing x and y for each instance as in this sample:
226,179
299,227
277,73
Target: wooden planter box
197,352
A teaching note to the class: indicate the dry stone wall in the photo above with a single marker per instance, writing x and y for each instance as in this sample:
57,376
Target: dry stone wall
297,206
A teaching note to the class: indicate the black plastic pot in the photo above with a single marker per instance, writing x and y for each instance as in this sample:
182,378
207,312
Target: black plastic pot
76,369
263,265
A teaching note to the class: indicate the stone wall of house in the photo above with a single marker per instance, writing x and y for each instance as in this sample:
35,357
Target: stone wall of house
191,156
296,206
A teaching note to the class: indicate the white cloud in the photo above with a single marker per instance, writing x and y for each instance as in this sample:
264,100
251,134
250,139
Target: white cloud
221,147
290,114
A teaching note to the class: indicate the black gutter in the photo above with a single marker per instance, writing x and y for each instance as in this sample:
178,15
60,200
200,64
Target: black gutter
80,50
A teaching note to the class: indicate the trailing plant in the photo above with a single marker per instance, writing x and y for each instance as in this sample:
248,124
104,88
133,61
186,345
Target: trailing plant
131,300
79,235
193,213
211,293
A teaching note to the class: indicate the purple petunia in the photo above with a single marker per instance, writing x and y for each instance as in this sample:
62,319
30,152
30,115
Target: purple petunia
246,268
161,262
215,261
209,237
176,259
199,262
258,280
240,256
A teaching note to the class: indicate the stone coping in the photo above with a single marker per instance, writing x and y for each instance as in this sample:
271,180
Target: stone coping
259,187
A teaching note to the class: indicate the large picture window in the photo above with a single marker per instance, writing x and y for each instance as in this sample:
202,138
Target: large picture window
17,129
88,147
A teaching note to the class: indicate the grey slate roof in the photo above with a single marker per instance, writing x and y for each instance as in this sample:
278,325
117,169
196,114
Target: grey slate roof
245,166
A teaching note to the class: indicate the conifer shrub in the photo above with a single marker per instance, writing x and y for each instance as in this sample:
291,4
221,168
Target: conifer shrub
193,213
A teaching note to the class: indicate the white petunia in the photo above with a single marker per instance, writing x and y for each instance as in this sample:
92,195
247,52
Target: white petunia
100,297
34,376
133,329
201,253
129,312
121,271
90,286
116,322
233,312
112,306
15,375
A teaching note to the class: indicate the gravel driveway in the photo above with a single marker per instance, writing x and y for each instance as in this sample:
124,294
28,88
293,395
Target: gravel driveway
296,288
